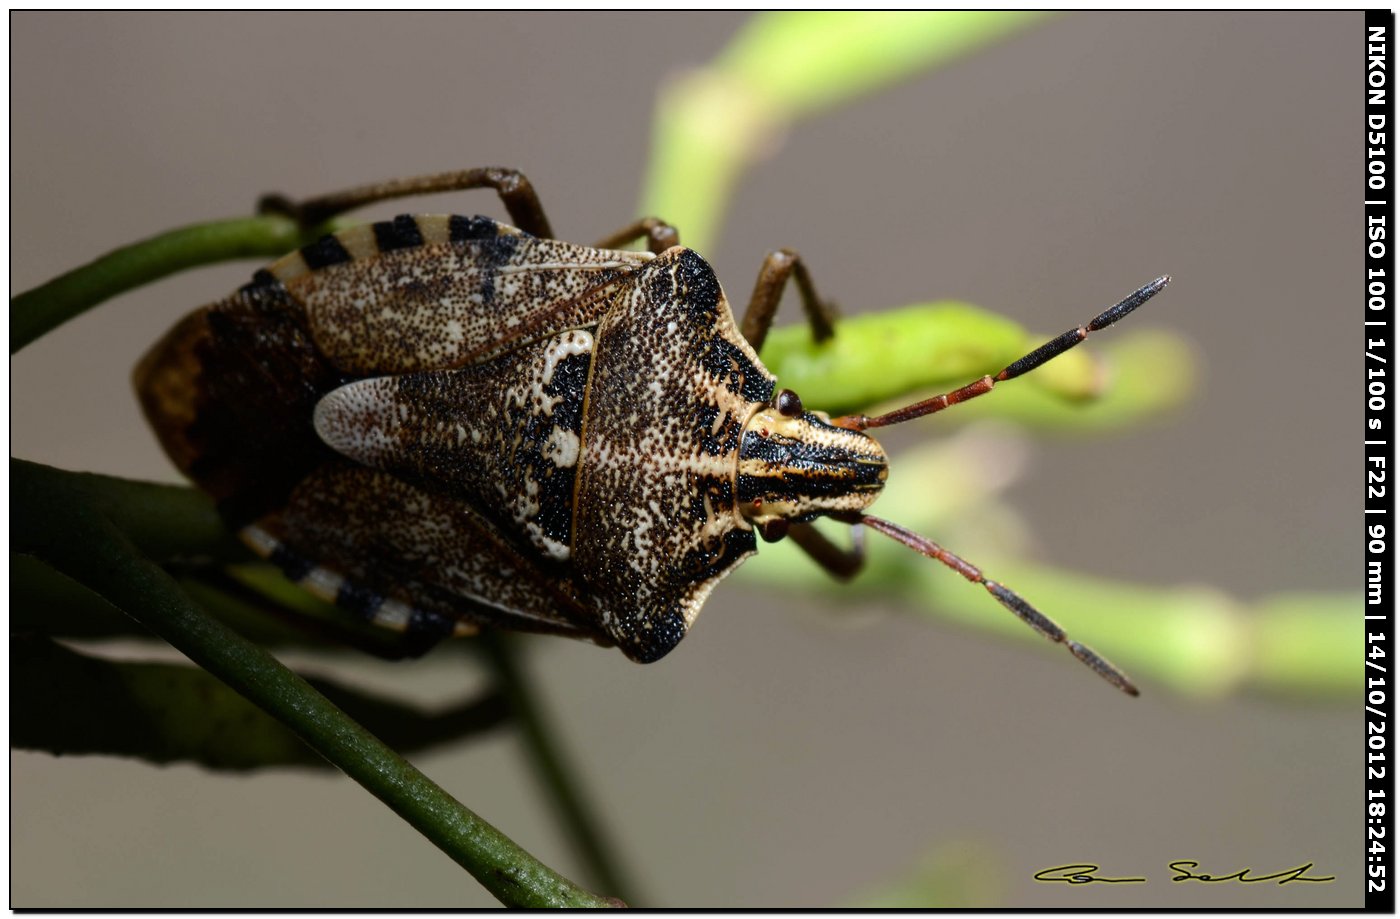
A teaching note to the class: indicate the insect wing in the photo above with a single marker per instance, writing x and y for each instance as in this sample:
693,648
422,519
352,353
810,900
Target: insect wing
407,558
446,292
232,390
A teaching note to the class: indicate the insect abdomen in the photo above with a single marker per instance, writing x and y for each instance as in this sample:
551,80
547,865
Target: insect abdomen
229,391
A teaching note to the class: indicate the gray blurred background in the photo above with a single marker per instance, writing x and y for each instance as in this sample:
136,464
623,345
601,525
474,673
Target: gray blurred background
779,757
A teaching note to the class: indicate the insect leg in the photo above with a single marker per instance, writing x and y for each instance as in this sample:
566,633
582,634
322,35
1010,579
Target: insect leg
768,292
842,564
659,235
516,193
1005,596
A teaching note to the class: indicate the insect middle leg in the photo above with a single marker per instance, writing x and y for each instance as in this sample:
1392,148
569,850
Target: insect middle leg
515,191
659,235
842,564
777,268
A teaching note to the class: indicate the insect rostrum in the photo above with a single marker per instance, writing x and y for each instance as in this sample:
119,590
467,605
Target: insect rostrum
442,423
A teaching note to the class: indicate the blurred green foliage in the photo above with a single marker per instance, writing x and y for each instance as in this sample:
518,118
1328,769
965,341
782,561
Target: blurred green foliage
712,123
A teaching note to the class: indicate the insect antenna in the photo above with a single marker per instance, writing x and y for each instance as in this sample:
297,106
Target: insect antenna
1051,349
1005,596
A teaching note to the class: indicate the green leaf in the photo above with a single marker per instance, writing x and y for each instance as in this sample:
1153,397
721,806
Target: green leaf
950,876
802,62
918,351
1304,645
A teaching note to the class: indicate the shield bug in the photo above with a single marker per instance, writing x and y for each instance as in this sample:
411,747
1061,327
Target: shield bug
443,423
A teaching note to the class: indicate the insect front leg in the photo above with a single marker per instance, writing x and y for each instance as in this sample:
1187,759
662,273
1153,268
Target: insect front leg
659,235
841,564
515,191
768,292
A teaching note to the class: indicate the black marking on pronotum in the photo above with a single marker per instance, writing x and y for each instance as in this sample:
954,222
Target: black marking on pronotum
705,563
586,450
697,283
400,233
728,364
324,252
713,494
706,419
721,492
716,432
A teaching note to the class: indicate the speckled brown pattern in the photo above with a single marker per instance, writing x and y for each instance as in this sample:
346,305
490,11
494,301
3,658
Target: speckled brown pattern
373,540
503,435
447,304
469,425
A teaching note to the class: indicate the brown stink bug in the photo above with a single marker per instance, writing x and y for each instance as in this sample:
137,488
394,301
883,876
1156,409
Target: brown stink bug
443,423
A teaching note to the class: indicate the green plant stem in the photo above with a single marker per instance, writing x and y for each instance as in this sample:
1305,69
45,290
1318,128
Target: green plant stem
176,712
558,777
51,520
165,522
711,124
46,307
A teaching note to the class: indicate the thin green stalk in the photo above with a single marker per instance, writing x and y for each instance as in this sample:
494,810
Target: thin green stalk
561,780
164,521
713,123
46,307
52,521
176,712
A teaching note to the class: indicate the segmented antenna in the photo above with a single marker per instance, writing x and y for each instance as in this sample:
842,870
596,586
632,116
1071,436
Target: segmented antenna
1005,596
1051,349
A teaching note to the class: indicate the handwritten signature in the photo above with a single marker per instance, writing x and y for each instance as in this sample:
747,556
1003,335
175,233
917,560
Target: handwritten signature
1086,874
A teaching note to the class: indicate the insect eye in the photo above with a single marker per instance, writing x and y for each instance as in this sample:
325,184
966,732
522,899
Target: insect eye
788,404
775,529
